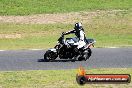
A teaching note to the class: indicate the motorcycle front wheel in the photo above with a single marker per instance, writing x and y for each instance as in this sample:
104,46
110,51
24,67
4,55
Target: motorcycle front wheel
50,55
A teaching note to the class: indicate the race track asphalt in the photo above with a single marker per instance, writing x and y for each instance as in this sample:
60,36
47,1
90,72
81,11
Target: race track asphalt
12,60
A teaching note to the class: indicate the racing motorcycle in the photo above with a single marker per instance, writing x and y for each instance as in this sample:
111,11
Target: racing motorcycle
67,49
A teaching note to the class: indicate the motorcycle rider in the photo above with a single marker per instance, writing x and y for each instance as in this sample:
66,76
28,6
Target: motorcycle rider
79,32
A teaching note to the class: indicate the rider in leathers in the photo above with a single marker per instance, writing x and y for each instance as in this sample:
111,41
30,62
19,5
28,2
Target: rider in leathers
79,32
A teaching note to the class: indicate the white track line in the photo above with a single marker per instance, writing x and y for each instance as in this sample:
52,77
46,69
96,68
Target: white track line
2,50
35,49
112,47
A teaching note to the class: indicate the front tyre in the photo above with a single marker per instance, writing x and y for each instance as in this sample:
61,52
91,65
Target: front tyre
50,55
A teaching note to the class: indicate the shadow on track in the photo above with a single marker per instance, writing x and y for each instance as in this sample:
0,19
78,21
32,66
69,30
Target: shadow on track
64,60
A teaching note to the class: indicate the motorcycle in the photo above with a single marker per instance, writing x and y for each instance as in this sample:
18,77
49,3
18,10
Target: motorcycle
67,49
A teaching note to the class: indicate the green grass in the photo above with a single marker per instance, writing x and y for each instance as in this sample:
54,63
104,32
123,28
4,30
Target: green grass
38,38
107,30
33,36
43,36
26,7
56,78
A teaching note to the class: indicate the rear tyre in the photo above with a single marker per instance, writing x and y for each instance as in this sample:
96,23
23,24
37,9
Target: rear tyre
89,53
49,56
80,58
85,55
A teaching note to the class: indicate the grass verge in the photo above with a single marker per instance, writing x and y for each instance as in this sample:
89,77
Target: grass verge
108,29
45,36
26,7
56,78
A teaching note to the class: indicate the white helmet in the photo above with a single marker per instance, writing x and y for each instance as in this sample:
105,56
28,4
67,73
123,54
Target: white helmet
78,26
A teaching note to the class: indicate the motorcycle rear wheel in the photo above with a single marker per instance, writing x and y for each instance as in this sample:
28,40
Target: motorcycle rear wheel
85,55
80,58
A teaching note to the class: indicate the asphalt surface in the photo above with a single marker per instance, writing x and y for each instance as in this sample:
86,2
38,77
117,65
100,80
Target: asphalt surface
33,60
